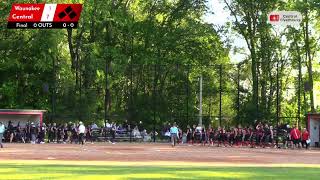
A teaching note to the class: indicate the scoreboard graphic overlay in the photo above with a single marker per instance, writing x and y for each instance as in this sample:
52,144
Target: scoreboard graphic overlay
44,16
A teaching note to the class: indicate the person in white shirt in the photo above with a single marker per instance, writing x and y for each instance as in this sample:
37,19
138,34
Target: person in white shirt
108,125
94,126
82,131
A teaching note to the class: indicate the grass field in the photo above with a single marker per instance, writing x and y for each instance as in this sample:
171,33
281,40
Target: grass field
149,170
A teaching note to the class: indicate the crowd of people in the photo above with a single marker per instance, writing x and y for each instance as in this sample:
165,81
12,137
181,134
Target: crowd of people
66,133
258,135
34,133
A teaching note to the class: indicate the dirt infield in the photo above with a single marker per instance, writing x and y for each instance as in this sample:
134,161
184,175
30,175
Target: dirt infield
126,152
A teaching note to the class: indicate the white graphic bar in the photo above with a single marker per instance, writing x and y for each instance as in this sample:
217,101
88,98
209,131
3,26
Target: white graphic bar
48,12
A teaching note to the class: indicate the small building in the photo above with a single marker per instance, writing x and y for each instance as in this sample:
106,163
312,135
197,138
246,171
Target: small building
21,116
313,126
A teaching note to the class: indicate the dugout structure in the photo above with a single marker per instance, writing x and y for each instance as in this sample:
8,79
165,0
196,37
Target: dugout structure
314,128
21,115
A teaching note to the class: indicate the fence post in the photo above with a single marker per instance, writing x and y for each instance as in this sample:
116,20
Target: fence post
220,94
200,101
277,110
154,103
106,94
53,90
238,98
131,100
188,71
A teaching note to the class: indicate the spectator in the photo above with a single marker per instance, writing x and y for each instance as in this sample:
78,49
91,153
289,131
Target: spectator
65,132
189,134
305,138
89,134
174,134
82,130
42,133
140,126
113,132
49,133
33,132
74,134
27,132
295,135
94,126
54,131
108,125
10,131
144,133
2,129
125,125
120,129
136,132
271,136
19,133
60,134
287,137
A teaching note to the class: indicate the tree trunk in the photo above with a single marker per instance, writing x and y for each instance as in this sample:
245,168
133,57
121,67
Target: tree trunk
309,62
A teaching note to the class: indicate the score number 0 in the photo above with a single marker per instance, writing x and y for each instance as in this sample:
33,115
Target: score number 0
65,25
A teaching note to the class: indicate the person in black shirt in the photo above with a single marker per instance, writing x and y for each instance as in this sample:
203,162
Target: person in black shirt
89,134
54,130
189,134
69,132
10,131
59,133
49,133
65,133
19,133
125,125
74,132
113,132
266,136
140,126
42,133
27,132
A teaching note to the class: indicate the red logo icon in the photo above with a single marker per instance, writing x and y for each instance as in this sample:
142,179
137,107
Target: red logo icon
67,13
274,17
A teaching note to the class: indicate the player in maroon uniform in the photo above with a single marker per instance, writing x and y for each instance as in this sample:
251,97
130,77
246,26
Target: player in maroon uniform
246,136
220,138
253,137
260,133
203,136
189,134
211,136
239,136
225,136
266,136
193,133
232,136
180,135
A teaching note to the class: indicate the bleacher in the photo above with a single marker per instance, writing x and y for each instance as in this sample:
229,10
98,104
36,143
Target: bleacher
102,135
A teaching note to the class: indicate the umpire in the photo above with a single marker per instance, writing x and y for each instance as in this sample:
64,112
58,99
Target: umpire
2,129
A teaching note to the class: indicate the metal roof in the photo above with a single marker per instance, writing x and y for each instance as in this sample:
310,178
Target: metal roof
22,110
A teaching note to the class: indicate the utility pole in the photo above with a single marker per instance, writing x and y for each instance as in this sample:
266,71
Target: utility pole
200,102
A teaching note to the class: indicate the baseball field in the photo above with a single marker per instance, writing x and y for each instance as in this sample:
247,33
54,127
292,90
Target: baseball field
154,161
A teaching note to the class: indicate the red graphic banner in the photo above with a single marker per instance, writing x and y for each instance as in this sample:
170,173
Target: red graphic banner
25,16
26,13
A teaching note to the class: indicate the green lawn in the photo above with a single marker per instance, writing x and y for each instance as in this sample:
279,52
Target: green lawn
27,170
